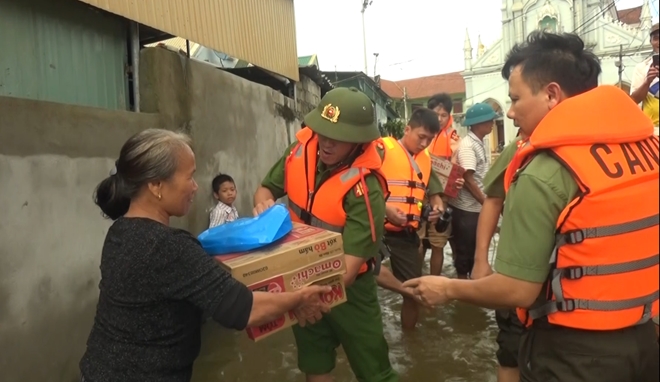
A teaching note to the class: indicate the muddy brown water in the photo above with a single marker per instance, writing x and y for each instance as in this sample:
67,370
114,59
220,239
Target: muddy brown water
452,343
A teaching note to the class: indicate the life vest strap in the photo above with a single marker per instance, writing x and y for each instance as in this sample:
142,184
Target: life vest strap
413,218
314,221
407,183
404,199
561,304
578,236
575,273
559,273
570,305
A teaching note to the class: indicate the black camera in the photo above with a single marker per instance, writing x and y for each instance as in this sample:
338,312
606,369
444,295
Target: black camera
443,222
426,211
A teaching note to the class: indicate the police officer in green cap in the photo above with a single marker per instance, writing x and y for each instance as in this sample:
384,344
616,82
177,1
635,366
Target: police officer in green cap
332,178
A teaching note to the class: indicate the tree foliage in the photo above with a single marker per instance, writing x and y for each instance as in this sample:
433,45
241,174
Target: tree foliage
392,128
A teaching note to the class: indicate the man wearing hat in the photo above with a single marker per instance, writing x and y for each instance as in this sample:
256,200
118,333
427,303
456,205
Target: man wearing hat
473,157
644,87
332,178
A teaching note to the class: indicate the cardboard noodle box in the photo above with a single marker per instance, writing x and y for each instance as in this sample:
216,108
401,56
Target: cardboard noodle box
333,298
307,255
448,173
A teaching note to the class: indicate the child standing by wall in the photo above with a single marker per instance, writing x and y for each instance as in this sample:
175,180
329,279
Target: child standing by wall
224,191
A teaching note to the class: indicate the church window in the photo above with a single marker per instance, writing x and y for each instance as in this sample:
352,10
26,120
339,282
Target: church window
548,24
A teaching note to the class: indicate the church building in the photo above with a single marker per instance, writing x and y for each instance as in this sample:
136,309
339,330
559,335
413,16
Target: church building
607,31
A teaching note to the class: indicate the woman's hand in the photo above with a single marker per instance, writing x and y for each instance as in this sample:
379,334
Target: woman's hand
311,307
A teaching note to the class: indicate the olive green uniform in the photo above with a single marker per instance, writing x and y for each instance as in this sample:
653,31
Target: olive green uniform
548,352
357,324
346,115
404,245
510,327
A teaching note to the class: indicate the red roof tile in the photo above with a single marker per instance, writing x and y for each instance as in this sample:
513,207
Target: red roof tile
425,87
630,15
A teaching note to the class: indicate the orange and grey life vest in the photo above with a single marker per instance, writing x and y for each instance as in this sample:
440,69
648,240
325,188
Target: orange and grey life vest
445,143
323,206
605,263
407,179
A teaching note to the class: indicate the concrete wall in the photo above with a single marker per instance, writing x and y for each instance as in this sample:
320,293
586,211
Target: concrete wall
238,127
308,95
51,158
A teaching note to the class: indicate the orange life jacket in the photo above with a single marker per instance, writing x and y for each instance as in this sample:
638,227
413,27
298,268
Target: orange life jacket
323,207
604,268
407,178
445,142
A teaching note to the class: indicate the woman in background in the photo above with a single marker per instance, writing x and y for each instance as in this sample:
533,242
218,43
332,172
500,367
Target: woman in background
157,280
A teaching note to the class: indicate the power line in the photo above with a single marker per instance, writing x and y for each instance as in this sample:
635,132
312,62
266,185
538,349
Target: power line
597,15
598,27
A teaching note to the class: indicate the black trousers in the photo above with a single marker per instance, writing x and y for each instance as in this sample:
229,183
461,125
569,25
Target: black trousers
464,239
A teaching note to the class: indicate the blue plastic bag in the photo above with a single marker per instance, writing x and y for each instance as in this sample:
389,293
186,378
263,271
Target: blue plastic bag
247,234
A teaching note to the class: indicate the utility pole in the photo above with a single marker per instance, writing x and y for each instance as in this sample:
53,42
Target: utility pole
620,66
365,4
405,104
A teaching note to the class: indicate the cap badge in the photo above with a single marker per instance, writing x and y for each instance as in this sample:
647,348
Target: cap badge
331,113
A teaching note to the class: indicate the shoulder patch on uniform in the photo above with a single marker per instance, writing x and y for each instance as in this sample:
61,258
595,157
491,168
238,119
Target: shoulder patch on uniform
359,191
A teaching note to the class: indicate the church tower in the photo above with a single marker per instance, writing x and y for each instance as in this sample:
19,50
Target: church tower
467,51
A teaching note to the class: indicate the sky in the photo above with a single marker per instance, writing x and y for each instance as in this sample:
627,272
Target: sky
413,38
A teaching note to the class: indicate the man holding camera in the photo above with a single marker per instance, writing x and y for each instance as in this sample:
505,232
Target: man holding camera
645,85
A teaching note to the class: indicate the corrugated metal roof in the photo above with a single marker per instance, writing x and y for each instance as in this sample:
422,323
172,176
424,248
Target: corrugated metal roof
310,60
262,32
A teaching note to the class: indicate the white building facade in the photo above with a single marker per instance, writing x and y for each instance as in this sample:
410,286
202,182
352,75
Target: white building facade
596,21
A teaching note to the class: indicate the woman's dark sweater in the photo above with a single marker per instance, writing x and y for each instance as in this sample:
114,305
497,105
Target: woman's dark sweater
155,283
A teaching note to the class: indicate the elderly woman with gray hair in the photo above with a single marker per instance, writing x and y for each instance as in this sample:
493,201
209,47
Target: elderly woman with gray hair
156,280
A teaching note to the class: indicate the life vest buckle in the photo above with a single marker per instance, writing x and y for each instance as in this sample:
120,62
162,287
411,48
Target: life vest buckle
573,273
574,237
412,217
412,184
566,305
411,200
306,217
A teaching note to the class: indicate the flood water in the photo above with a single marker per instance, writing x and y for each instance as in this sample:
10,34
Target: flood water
452,343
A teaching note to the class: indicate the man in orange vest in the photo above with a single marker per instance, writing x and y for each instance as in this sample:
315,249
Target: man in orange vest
410,179
332,178
444,145
578,250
